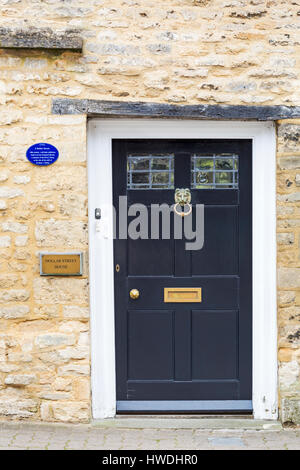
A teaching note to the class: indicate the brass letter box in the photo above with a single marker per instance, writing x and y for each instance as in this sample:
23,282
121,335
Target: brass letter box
182,294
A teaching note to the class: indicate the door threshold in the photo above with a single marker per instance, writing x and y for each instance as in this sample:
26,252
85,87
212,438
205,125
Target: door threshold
177,416
187,422
185,406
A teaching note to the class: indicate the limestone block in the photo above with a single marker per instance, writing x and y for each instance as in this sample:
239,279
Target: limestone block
283,211
19,267
24,408
75,353
290,410
55,396
71,411
289,374
57,290
285,355
22,254
19,357
21,240
289,163
54,232
8,367
46,411
21,179
47,311
293,197
62,179
289,223
75,312
73,205
286,298
158,80
289,133
19,311
289,335
74,369
8,280
32,63
81,388
73,326
289,315
54,339
113,49
14,295
62,384
285,238
20,380
3,176
51,358
9,193
159,48
7,342
5,241
16,227
289,278
84,339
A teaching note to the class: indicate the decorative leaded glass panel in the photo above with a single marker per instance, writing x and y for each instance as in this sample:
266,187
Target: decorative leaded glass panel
150,171
215,171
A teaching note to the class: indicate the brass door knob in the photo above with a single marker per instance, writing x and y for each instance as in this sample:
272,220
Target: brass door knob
134,294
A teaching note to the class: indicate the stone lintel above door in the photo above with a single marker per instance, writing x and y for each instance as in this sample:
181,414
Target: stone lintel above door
121,109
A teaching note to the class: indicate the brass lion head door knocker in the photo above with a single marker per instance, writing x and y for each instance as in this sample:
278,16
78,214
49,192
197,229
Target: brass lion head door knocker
182,198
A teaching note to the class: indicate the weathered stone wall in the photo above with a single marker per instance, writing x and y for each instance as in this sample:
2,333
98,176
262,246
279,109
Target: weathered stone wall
44,339
288,239
175,51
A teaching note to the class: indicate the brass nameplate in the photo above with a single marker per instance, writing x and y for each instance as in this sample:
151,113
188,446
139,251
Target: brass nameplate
182,294
61,264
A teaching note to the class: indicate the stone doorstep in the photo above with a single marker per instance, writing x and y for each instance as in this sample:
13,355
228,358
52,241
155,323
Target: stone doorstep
188,422
205,422
42,426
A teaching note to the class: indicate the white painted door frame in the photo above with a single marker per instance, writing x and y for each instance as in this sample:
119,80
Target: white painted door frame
100,135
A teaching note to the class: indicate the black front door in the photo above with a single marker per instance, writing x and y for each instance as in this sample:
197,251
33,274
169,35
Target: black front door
185,343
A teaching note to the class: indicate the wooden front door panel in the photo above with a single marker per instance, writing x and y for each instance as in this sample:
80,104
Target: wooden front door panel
186,351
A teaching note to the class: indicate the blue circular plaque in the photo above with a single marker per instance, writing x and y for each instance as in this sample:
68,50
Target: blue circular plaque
42,154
